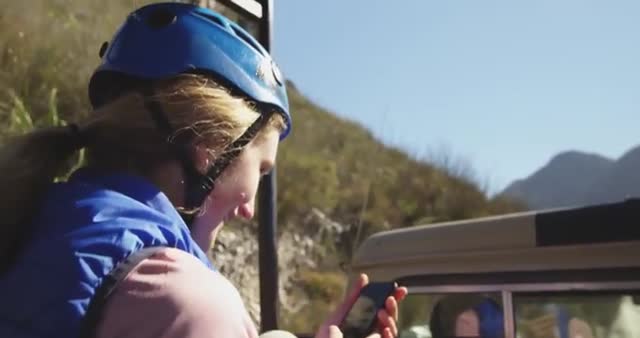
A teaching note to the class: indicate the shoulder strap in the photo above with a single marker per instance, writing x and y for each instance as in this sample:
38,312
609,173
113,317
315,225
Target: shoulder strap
93,316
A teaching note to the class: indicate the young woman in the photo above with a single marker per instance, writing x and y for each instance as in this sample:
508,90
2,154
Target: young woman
188,113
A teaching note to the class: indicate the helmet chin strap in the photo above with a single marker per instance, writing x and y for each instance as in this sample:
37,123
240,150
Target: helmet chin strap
198,186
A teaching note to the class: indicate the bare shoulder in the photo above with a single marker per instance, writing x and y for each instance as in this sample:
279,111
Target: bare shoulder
172,291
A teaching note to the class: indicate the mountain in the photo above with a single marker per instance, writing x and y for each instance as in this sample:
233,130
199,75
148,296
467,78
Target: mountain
576,178
620,182
563,181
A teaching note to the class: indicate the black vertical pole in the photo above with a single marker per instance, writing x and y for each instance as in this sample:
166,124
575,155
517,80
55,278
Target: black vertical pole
267,230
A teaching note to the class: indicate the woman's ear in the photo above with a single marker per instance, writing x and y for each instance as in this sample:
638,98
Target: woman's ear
201,157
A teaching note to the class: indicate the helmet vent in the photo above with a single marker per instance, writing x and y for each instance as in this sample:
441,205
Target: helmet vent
103,49
160,18
243,35
213,18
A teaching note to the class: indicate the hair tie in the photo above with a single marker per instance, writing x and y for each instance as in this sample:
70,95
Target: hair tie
79,137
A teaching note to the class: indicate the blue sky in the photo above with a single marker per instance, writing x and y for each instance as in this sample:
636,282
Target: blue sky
505,84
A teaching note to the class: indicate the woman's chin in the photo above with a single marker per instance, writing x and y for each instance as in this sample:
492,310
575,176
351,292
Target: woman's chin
214,234
205,232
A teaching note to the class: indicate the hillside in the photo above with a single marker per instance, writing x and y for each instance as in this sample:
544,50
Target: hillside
338,167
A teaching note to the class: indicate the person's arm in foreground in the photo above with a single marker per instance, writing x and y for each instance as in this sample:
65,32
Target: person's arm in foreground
172,295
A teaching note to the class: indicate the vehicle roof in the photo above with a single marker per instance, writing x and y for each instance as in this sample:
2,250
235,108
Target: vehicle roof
592,237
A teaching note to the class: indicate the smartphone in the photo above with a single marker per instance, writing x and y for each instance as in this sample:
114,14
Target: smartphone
361,319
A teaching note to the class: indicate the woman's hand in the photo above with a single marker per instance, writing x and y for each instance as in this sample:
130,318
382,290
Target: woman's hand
387,317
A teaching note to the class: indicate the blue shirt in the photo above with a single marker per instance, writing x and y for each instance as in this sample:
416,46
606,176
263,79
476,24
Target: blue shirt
83,229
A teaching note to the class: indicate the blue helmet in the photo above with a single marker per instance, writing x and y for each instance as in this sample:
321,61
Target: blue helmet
166,39
491,319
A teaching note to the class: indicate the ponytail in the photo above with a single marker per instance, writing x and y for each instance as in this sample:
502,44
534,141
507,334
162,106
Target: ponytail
28,165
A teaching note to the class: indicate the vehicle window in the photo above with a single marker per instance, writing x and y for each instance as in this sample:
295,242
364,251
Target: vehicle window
478,315
577,315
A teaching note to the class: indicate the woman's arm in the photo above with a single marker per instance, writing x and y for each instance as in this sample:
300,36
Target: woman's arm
173,295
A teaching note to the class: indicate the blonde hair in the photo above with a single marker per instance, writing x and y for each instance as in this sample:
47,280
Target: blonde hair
120,135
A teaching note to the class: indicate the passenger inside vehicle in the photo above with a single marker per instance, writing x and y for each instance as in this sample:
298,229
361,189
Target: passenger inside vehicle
467,316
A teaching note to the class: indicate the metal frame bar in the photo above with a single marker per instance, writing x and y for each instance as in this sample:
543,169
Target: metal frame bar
528,287
509,320
539,277
267,214
251,8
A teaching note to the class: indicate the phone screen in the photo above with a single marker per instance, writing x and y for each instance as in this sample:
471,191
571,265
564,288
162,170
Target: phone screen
361,319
